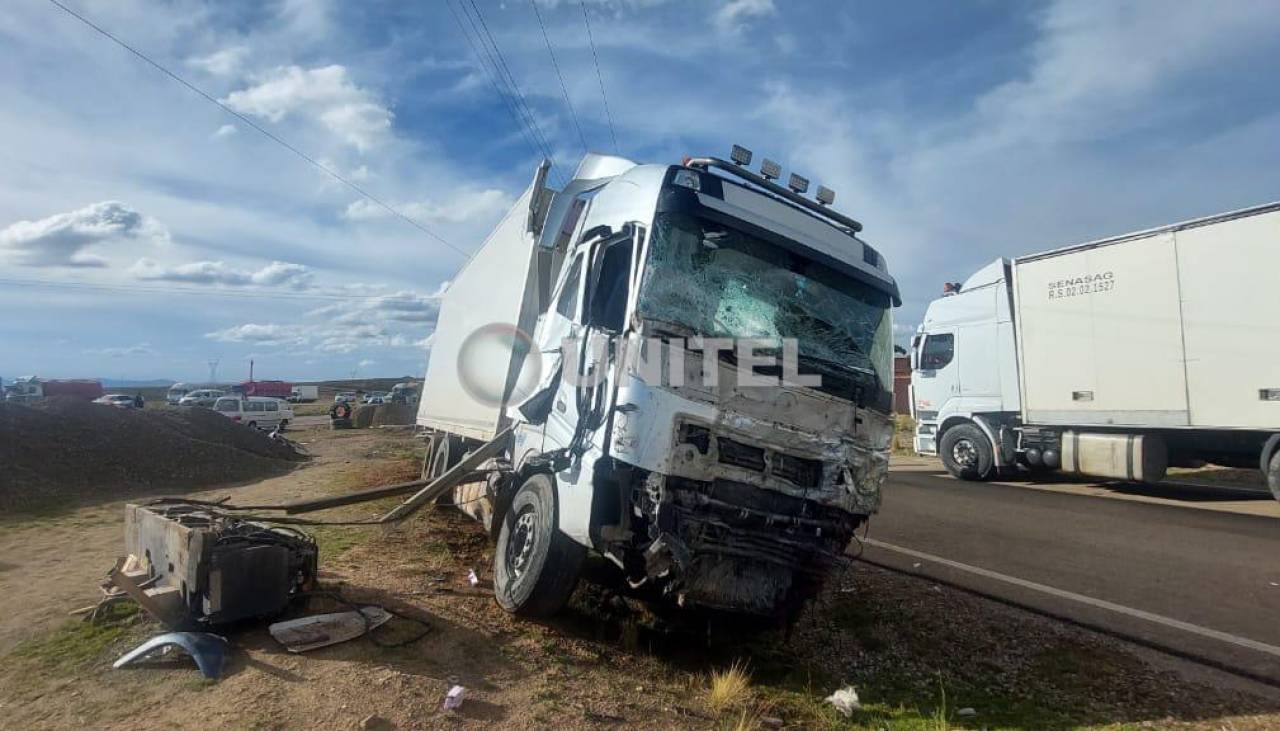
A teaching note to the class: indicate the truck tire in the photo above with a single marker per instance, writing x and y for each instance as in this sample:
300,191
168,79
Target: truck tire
535,566
966,452
1273,474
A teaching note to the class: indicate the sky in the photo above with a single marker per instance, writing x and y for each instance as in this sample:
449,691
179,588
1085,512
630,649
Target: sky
145,232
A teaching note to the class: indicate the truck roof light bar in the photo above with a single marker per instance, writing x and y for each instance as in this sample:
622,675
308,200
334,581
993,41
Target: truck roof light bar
820,208
740,155
770,170
797,183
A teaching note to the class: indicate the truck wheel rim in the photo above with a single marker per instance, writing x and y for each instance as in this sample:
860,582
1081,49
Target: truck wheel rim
964,453
523,536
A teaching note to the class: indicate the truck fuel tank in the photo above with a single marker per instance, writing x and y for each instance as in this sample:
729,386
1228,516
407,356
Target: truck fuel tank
1136,457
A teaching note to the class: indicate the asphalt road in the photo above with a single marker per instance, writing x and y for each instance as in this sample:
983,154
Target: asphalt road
1181,575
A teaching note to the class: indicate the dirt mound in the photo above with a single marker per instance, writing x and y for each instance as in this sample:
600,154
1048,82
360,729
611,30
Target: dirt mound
66,448
372,415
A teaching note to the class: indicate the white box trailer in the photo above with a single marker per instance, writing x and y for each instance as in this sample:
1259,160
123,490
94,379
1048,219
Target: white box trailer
1154,347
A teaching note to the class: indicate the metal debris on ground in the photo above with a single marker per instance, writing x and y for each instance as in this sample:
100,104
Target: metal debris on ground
845,701
453,698
321,630
208,650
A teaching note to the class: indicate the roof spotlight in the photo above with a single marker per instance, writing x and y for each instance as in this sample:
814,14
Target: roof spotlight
770,170
826,196
740,155
797,183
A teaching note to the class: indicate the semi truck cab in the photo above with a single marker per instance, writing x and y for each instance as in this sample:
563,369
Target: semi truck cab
709,475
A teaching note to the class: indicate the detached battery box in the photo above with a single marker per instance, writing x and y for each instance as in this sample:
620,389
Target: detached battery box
225,568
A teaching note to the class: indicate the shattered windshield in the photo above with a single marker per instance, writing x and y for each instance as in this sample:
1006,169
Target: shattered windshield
719,282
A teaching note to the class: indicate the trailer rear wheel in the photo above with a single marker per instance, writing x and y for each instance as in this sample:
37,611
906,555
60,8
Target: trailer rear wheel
966,452
535,566
1273,474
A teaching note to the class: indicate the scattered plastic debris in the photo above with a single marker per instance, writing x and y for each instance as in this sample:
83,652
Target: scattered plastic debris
208,650
320,630
472,578
453,698
966,712
915,565
845,700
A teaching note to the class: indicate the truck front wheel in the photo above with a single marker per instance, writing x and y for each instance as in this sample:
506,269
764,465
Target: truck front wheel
966,452
535,566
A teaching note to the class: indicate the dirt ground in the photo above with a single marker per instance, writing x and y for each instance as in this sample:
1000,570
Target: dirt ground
921,656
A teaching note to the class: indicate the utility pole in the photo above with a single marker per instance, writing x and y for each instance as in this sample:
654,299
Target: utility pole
251,370
213,371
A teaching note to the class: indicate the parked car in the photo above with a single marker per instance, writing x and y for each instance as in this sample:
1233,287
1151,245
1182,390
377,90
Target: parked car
205,397
119,400
257,412
346,397
376,397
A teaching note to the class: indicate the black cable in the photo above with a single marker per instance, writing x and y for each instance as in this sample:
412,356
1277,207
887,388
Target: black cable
504,72
209,98
599,76
556,65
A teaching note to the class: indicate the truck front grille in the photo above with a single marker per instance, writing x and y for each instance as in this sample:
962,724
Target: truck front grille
800,471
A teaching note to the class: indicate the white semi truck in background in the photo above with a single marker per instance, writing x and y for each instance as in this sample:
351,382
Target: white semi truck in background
1114,358
699,486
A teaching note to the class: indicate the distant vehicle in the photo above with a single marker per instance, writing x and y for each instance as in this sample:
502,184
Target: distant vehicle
345,397
1114,358
256,412
25,390
205,397
178,390
404,393
381,397
304,394
269,389
120,400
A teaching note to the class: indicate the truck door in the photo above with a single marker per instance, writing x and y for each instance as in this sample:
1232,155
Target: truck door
939,372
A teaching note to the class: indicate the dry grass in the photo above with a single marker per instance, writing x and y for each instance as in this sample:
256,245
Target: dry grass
729,688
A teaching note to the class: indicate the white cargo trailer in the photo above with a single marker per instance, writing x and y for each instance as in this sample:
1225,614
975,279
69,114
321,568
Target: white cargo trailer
1114,358
583,347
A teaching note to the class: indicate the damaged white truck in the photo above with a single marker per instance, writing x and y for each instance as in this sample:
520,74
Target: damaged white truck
592,354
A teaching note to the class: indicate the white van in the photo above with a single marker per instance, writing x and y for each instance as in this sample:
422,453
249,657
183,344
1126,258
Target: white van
257,412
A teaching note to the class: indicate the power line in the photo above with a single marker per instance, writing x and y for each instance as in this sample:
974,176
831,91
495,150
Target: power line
505,88
224,293
600,77
556,65
533,143
509,79
209,98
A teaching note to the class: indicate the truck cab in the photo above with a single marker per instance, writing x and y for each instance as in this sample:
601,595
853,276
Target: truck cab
710,474
964,365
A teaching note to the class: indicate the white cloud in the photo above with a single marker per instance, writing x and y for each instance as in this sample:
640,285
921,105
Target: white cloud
733,16
325,94
275,274
124,351
367,362
224,131
221,63
462,206
260,334
63,238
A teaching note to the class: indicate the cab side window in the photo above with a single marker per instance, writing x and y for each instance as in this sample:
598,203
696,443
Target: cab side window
938,351
567,305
